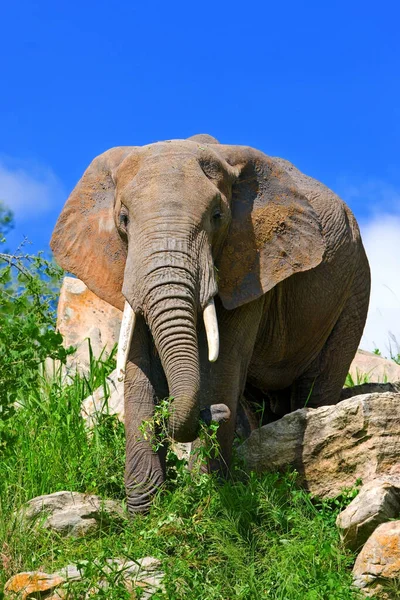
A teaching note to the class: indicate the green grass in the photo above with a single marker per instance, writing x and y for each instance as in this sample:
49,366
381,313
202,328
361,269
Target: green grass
254,536
360,378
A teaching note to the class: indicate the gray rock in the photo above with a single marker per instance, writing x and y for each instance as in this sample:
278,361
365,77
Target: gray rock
377,502
72,513
369,388
144,573
333,446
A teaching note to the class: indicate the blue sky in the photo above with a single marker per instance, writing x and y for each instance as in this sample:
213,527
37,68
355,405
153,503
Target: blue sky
316,83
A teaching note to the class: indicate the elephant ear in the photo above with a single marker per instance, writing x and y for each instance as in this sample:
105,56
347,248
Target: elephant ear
85,240
274,232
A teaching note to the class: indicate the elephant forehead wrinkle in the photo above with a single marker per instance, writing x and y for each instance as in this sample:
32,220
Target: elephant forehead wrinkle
168,154
166,177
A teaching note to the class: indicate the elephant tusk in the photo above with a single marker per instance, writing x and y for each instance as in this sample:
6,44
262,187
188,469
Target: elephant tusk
211,325
125,337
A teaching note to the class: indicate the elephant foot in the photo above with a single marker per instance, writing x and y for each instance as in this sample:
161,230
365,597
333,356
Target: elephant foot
142,484
219,413
137,503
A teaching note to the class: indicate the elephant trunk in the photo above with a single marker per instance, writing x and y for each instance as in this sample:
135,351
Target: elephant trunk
170,311
177,279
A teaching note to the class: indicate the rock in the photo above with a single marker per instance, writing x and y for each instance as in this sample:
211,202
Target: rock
377,502
144,573
72,513
332,446
103,401
82,315
374,368
369,388
24,585
378,565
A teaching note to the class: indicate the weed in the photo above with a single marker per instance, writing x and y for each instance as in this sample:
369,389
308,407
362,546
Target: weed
360,379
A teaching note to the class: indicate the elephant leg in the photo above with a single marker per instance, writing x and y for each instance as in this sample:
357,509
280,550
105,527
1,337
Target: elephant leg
224,381
323,381
144,466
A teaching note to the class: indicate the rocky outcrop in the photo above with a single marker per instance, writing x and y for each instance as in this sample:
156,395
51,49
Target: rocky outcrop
71,513
377,568
81,315
333,446
377,503
144,574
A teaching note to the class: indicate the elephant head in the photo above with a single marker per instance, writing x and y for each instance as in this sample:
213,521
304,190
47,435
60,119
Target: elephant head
161,229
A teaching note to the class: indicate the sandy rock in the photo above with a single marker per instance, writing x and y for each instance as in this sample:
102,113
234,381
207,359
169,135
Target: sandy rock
24,585
377,503
376,368
82,315
108,401
378,564
144,573
332,446
71,513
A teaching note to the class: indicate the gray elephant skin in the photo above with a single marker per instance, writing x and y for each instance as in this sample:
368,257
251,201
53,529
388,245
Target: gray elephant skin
175,229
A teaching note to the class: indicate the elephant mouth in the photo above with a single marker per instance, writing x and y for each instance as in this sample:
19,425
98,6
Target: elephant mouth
128,326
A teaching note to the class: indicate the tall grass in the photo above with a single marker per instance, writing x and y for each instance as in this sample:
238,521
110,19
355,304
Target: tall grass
254,536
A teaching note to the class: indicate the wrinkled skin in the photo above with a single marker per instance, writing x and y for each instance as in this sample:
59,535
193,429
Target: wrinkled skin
171,225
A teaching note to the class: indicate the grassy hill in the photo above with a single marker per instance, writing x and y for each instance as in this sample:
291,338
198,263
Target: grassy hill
254,536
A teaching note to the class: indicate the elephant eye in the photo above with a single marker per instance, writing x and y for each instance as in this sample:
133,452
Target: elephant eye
217,215
124,218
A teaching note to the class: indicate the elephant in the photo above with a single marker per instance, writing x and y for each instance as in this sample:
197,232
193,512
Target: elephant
231,267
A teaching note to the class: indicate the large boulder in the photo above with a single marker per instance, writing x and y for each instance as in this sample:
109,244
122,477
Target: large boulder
367,366
81,315
333,446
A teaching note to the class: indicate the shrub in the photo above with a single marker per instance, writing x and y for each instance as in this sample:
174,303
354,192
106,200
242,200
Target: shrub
29,286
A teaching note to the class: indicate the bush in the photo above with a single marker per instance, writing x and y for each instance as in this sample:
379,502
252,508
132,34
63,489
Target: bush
29,286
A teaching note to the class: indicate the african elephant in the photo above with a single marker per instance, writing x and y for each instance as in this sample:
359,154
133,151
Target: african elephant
272,259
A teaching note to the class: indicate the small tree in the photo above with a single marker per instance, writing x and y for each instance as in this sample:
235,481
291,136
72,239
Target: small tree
6,220
29,286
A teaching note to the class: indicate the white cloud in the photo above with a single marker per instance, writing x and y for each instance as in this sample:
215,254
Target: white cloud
375,195
378,204
381,237
28,189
